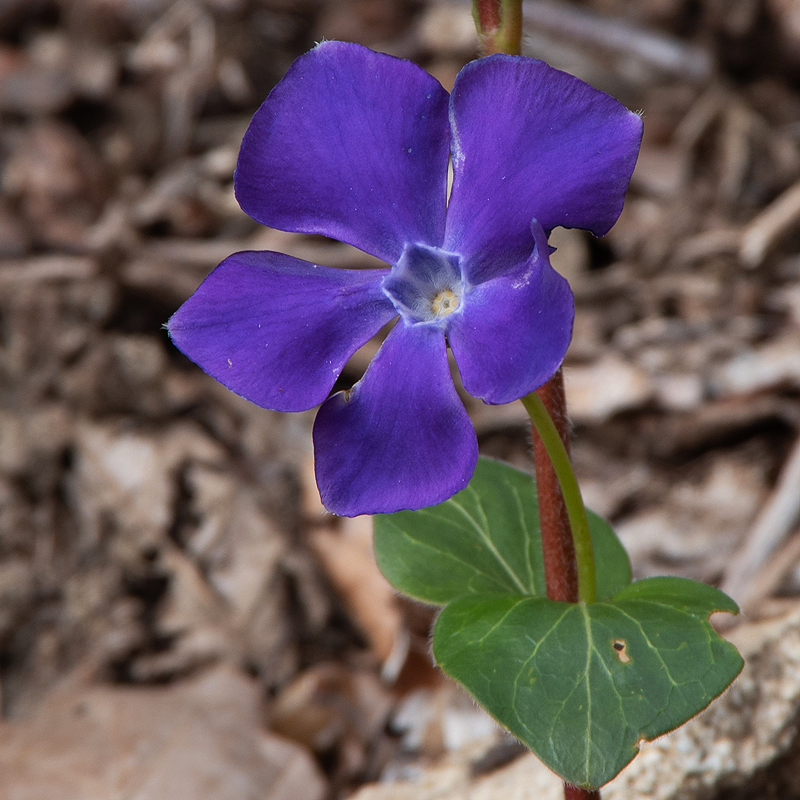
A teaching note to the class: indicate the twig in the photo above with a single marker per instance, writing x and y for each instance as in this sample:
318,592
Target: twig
663,53
719,241
47,268
776,220
769,578
771,527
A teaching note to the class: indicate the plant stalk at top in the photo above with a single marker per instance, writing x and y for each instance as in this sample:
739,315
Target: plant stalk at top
499,26
560,567
557,492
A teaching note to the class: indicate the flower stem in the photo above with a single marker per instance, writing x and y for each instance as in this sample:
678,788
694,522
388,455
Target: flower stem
558,548
576,793
499,25
554,537
566,542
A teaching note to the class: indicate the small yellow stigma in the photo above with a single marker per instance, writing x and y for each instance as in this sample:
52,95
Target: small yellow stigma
446,302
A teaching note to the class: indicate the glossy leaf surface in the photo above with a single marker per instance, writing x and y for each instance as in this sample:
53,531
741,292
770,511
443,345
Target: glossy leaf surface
484,539
582,685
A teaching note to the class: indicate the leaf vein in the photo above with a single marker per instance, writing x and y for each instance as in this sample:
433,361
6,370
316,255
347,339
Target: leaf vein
490,544
528,661
449,554
652,647
526,532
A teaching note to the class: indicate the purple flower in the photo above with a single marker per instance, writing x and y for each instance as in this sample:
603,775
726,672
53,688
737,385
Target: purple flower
354,145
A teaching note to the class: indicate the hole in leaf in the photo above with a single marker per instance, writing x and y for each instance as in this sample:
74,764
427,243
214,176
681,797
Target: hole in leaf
622,650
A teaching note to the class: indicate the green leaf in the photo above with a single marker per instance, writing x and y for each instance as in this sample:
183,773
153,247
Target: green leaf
484,539
610,558
682,593
582,685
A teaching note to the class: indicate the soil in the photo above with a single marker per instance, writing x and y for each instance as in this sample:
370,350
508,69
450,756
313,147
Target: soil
155,528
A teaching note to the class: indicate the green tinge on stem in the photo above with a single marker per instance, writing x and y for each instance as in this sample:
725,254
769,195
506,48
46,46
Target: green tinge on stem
499,25
576,511
509,36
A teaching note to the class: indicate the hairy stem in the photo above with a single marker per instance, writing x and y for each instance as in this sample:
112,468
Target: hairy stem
499,25
565,491
576,793
560,567
567,546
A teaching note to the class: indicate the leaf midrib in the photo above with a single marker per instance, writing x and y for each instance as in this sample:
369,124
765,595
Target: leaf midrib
489,543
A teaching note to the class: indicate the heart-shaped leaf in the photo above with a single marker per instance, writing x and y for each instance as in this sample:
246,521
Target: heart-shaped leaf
484,539
582,685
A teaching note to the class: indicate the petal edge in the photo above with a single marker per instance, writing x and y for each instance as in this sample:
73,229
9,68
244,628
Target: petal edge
532,142
402,438
514,330
351,144
278,330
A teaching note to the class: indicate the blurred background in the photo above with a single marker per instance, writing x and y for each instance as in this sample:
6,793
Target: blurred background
178,615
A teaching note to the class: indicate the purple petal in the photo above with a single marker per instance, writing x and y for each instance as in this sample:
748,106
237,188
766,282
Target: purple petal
351,144
514,330
278,330
401,437
532,142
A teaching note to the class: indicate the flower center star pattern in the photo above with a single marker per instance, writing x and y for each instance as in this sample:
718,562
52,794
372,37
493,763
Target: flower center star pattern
355,145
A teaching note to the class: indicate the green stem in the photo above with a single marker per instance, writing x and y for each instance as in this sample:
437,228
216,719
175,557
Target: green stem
509,34
576,511
499,25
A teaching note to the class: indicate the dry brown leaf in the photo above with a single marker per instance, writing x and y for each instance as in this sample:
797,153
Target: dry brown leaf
330,703
346,556
596,392
194,741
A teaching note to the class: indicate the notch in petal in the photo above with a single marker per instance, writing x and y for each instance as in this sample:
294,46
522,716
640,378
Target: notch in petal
401,438
514,330
351,144
532,142
277,330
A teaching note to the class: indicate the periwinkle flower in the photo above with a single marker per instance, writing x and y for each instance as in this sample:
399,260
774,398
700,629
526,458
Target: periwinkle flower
354,145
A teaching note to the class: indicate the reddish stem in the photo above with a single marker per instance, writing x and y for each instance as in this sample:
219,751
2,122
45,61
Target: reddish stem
499,25
560,568
576,793
488,13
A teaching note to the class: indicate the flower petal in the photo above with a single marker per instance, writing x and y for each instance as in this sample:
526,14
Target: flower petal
401,437
532,142
278,330
514,330
351,144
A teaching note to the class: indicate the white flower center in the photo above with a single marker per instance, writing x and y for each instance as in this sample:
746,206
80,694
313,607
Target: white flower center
425,284
445,302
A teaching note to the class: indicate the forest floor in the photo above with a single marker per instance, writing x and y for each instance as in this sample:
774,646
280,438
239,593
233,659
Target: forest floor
179,617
